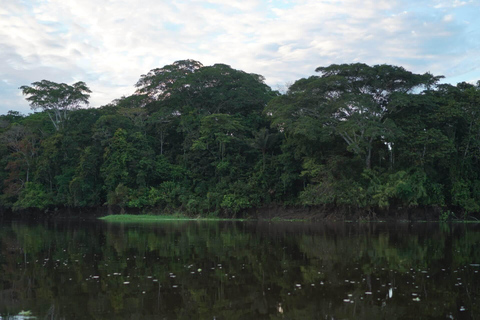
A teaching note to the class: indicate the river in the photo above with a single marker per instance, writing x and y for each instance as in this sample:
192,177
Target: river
73,269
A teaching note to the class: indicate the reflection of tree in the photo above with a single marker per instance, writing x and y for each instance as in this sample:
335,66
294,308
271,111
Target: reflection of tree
236,271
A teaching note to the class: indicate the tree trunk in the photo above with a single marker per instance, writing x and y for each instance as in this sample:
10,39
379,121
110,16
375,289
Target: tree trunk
368,158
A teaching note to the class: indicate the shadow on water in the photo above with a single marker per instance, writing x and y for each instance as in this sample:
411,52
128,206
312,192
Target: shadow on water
76,269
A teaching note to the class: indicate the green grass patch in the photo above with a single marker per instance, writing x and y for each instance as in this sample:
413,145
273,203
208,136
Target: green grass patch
125,218
133,218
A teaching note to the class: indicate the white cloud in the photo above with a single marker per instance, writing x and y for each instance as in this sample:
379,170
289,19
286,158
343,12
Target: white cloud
451,4
448,18
109,43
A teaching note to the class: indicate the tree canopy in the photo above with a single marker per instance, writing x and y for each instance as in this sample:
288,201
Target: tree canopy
56,99
216,140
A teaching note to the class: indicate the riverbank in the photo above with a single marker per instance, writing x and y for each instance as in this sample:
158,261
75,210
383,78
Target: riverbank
125,218
269,213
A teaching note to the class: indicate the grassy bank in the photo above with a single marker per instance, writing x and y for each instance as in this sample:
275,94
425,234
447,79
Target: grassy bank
159,218
149,218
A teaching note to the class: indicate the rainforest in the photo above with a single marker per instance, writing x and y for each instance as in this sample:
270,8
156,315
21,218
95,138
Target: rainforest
350,140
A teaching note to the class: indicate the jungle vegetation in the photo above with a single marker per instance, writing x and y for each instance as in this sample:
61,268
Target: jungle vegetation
215,140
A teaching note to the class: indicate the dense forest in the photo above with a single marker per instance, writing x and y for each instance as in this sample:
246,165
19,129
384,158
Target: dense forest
213,140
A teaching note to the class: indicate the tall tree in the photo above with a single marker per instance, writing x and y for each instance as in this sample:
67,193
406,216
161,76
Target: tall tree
222,89
23,145
160,83
352,101
56,99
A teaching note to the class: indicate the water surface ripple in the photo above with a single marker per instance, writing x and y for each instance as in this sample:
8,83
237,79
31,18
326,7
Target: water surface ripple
239,270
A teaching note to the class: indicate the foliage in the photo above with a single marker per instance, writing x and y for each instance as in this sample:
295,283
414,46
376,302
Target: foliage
216,140
33,196
56,99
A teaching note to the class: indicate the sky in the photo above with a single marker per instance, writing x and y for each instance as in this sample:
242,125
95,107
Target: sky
109,44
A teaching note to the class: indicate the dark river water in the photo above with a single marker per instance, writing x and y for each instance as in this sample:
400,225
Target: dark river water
239,270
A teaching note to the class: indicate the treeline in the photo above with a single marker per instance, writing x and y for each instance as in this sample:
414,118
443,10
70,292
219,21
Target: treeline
215,140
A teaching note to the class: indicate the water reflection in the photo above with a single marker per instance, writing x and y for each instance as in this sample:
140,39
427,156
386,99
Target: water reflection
237,270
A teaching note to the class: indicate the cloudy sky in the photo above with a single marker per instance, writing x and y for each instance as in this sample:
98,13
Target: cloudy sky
110,43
